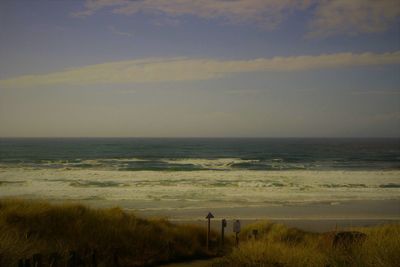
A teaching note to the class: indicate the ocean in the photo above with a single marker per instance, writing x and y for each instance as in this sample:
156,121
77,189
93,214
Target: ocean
184,174
189,154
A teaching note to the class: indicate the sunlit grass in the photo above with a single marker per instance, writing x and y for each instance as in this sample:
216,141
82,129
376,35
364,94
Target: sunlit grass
278,245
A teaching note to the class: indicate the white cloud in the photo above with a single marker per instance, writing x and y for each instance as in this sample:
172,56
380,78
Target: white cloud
188,69
353,16
331,16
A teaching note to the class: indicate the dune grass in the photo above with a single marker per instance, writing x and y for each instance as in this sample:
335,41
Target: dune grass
277,245
118,238
28,228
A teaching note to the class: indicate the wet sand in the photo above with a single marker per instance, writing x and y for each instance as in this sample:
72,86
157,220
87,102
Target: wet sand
316,217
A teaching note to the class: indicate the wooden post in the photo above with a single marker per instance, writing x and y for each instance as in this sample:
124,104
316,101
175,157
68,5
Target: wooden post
236,229
208,217
223,225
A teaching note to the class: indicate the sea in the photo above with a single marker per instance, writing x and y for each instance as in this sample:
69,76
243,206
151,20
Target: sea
181,175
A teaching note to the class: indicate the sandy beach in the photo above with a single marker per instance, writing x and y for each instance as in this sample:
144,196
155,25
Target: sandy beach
318,217
311,200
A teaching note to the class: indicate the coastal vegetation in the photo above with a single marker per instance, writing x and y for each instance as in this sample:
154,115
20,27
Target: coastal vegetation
76,235
277,245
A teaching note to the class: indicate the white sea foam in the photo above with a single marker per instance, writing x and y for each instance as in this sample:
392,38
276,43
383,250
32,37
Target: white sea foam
217,163
179,190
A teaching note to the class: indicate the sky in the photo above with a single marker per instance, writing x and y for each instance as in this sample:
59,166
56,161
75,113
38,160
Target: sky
201,68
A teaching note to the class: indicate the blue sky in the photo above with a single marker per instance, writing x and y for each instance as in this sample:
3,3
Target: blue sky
240,68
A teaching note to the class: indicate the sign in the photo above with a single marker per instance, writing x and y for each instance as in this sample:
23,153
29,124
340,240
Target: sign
236,226
209,216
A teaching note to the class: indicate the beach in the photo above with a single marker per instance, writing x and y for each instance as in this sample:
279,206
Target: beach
307,199
223,133
310,183
300,190
313,218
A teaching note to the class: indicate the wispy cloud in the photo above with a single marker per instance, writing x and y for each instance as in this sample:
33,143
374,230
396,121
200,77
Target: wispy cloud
353,17
265,13
330,17
118,32
189,69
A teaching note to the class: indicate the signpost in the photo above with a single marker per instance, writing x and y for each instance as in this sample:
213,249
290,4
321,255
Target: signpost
209,217
236,229
223,225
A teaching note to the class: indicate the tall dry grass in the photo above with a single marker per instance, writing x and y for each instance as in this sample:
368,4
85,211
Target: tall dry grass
28,228
278,245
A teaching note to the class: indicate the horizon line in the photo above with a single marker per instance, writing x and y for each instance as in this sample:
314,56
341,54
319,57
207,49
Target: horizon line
199,137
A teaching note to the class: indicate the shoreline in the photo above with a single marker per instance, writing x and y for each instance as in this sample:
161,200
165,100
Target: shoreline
233,194
315,217
311,200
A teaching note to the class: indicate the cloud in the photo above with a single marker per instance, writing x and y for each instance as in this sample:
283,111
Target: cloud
353,16
92,6
265,13
330,17
189,69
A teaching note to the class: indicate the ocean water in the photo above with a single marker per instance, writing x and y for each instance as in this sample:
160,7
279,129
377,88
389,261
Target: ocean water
135,154
188,174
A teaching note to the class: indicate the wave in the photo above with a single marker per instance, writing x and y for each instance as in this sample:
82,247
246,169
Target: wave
390,185
206,187
8,183
82,183
198,164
